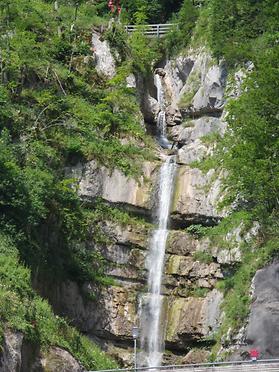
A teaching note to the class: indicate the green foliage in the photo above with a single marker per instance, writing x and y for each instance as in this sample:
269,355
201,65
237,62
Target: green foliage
21,309
143,51
198,292
236,287
203,256
236,24
55,110
198,231
241,218
251,141
156,11
181,34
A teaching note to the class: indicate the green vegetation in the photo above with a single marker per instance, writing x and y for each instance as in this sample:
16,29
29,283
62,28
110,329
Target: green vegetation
238,27
182,32
198,292
239,32
156,11
55,111
198,231
21,309
203,257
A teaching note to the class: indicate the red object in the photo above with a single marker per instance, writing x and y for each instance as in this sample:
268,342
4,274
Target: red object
114,4
111,5
254,353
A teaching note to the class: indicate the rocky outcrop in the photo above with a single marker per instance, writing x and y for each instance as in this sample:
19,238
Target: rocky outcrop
196,83
17,354
113,186
60,360
104,62
264,317
10,356
192,319
194,88
196,197
173,116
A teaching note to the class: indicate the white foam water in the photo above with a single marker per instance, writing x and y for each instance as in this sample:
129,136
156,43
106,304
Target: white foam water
161,119
152,328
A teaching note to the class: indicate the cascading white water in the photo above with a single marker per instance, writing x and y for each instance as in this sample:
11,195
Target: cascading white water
152,331
161,119
160,91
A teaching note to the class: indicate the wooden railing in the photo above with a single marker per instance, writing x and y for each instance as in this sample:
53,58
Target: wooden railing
158,30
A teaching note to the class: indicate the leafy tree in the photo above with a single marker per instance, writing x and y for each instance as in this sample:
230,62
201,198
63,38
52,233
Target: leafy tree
185,22
251,142
235,24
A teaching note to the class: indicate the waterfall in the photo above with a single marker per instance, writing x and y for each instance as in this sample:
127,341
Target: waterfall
152,330
161,119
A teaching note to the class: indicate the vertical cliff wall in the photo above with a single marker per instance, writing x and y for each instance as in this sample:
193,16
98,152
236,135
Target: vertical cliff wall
196,89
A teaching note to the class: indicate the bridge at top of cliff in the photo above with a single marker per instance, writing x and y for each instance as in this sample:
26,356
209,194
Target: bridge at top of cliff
266,365
156,30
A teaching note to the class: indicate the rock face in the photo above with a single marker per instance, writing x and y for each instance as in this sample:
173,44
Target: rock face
104,61
264,317
196,83
192,319
18,355
113,186
10,360
60,360
194,88
196,197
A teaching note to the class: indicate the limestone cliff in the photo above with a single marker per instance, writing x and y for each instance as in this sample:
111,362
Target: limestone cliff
195,86
192,304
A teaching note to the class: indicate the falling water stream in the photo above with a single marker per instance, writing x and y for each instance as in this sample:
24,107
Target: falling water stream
152,329
161,119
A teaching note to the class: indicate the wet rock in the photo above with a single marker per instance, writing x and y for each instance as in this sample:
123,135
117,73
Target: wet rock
173,116
150,108
135,235
189,267
181,243
124,357
160,71
109,313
